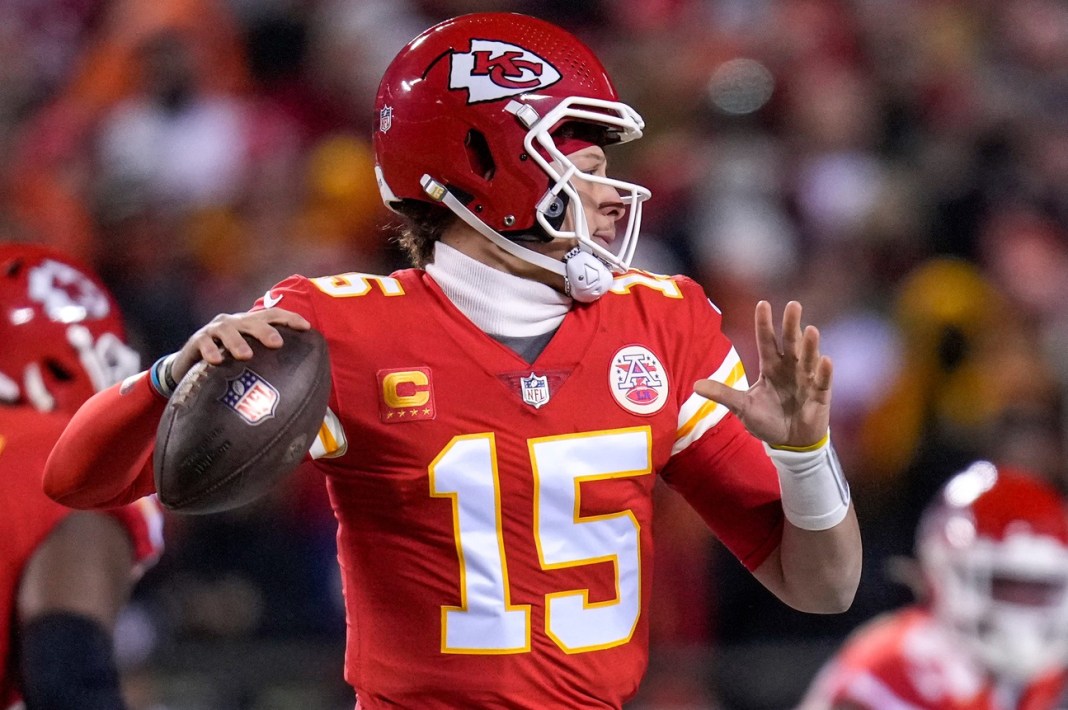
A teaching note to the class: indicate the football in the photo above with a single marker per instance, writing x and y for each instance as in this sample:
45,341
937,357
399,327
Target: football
231,432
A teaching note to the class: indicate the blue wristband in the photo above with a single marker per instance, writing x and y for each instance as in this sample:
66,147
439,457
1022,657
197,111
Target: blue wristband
160,376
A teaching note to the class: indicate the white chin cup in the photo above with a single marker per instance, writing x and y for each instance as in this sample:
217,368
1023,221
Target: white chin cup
587,277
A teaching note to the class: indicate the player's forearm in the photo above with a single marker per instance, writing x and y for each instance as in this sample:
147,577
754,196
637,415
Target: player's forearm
817,568
103,458
816,571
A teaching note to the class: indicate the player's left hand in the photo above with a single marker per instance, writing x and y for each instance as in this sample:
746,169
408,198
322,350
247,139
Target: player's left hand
790,402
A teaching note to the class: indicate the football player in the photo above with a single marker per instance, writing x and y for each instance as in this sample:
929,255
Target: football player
500,412
992,630
64,574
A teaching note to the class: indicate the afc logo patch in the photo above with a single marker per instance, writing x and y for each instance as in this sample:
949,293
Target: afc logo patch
637,380
251,397
405,395
493,70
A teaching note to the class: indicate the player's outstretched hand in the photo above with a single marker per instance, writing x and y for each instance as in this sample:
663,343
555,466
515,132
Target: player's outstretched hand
790,402
226,331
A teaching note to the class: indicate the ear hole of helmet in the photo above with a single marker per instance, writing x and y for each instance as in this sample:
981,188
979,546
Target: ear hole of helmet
58,371
557,210
479,156
12,268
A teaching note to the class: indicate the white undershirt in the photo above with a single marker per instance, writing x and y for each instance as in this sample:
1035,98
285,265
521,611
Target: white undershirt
499,303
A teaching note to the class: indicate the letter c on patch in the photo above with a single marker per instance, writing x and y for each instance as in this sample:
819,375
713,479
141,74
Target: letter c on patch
406,389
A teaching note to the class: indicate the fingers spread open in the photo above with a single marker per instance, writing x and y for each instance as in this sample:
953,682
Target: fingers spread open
729,397
824,374
791,330
810,349
767,343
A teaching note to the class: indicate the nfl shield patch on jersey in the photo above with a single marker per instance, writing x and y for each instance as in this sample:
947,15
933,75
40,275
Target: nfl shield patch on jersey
535,389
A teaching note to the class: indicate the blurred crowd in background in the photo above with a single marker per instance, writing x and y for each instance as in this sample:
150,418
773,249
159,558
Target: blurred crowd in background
898,166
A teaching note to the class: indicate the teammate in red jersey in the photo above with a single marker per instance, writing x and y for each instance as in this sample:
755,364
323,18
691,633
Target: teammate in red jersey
64,574
499,412
992,632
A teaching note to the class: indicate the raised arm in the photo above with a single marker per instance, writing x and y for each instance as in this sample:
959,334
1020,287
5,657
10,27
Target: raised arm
816,567
104,457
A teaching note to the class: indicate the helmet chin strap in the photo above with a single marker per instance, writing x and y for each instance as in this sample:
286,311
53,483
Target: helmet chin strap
586,278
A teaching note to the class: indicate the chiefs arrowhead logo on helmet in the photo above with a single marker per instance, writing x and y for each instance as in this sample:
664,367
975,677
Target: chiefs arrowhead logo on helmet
493,70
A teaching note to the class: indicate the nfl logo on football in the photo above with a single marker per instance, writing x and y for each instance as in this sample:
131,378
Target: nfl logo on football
535,390
253,398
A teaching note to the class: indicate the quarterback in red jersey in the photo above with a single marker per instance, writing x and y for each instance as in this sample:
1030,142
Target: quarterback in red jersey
64,574
993,632
499,413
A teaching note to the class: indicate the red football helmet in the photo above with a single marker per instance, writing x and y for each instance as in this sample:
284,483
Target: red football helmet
993,547
61,331
470,114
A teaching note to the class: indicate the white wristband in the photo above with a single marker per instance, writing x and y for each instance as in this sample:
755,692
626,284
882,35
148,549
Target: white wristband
815,494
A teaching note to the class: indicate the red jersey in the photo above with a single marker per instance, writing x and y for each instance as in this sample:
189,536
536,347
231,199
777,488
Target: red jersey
908,661
28,516
494,516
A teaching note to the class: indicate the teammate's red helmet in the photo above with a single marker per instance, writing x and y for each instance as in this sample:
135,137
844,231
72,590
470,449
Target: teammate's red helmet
61,334
476,103
994,549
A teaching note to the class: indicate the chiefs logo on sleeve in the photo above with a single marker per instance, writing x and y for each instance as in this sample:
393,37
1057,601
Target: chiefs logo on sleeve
494,70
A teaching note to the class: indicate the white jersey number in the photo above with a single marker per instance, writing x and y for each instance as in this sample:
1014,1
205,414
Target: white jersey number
487,622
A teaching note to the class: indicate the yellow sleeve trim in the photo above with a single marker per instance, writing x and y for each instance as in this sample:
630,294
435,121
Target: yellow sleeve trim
805,449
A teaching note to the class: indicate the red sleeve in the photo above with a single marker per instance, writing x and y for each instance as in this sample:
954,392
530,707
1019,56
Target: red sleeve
718,467
103,458
293,294
728,479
